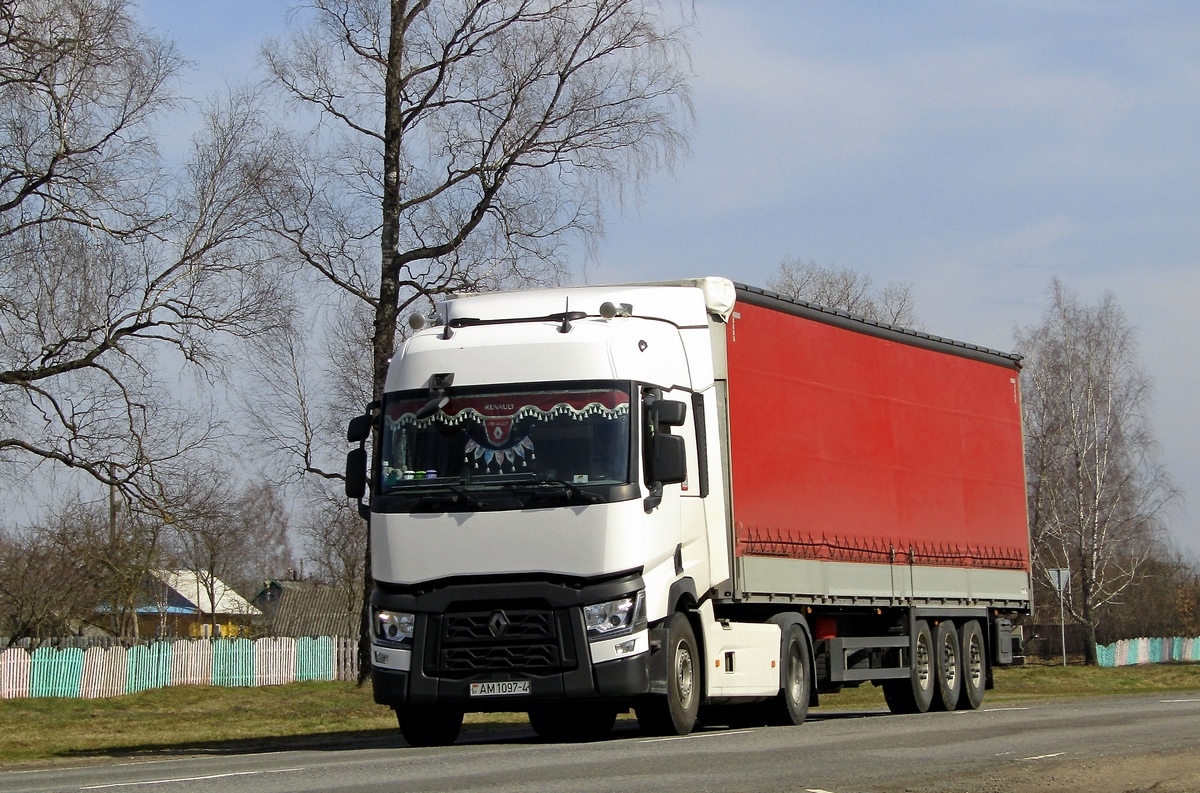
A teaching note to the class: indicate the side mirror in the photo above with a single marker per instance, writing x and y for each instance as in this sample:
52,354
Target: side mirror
668,459
668,412
359,429
665,455
356,473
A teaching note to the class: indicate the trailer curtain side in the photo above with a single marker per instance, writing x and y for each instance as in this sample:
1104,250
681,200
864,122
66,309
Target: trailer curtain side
855,442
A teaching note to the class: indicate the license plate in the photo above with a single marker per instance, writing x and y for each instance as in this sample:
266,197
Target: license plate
499,688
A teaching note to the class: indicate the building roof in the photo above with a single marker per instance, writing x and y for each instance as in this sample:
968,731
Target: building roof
188,590
306,608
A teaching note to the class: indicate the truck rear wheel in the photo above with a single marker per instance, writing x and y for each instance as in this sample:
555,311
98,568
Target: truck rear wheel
947,667
791,706
573,723
675,713
915,694
974,661
430,726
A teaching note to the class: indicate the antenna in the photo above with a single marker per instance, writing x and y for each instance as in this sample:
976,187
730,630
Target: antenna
565,327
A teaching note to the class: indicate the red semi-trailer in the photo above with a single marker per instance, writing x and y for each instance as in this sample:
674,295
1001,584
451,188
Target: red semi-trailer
852,442
695,499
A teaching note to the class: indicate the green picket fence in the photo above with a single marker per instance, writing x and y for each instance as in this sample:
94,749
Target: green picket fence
113,671
1130,652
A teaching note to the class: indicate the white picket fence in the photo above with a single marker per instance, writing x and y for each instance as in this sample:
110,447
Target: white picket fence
112,671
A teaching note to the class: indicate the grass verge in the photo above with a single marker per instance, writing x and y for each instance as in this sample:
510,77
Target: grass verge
200,720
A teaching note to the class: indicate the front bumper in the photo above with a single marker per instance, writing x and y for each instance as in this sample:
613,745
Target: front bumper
544,643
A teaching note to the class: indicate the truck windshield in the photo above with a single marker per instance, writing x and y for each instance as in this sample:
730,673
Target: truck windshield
553,440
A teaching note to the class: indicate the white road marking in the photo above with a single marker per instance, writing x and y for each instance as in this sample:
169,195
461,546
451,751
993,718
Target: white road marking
1041,756
1169,701
694,735
995,710
817,790
190,778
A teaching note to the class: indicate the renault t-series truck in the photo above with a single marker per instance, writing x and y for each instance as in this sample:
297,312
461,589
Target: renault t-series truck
693,499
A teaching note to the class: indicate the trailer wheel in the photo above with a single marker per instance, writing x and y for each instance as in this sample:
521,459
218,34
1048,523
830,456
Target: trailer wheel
430,726
948,667
575,724
974,658
915,694
675,713
791,706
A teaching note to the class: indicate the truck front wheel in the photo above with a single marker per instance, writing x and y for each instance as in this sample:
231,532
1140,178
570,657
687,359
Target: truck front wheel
675,713
430,726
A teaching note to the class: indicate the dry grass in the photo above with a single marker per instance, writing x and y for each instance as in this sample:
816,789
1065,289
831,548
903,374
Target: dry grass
229,720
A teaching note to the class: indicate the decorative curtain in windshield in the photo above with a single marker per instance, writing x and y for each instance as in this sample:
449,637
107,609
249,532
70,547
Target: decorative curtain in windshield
580,437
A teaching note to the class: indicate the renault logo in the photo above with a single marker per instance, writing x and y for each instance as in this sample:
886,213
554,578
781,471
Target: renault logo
498,624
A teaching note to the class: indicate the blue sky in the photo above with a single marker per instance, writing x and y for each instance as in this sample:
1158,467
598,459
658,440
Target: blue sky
974,150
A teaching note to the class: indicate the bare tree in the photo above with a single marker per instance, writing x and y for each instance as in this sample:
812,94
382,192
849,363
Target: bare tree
845,289
336,543
465,141
112,547
1163,601
113,269
264,520
45,591
1097,491
229,535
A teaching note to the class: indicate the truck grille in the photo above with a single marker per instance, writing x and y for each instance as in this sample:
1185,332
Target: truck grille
517,625
502,639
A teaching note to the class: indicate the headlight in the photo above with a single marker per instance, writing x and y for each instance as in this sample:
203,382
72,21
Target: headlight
614,617
395,627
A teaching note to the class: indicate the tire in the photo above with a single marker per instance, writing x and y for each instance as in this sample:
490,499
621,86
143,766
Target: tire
947,666
974,665
590,722
791,706
915,694
675,713
430,726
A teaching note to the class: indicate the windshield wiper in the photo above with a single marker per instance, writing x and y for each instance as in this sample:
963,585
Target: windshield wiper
557,487
453,494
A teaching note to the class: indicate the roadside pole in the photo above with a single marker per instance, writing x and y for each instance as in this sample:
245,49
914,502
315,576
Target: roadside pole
1061,578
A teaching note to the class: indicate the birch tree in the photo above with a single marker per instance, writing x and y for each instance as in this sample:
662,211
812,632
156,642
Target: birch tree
458,145
115,268
845,289
1097,491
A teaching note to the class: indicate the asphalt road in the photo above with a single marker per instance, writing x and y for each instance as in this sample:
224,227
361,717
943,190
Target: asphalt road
995,749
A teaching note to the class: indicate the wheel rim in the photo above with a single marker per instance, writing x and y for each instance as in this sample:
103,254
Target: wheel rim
921,662
974,661
685,675
949,663
795,674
